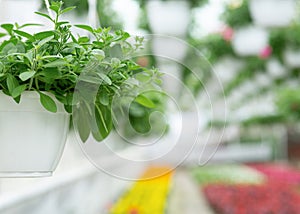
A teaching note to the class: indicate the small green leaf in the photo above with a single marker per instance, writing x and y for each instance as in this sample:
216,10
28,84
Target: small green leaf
85,27
56,63
2,34
25,34
43,35
105,78
99,54
12,83
18,91
44,15
48,103
115,62
67,10
29,25
55,6
83,39
104,98
81,121
26,75
44,41
8,27
144,101
104,121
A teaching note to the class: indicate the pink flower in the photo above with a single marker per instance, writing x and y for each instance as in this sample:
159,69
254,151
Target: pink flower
227,34
266,52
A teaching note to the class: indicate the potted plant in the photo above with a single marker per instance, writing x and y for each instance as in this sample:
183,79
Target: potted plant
39,78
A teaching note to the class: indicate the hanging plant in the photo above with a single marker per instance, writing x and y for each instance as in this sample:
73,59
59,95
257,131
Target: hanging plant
53,61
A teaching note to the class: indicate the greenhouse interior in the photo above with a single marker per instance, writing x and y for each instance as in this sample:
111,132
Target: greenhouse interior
149,106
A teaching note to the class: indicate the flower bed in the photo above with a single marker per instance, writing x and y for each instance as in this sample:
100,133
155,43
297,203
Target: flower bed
279,173
278,193
253,199
145,196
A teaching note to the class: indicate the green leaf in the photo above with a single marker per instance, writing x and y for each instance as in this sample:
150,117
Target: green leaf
55,6
44,15
104,98
12,83
105,78
43,35
85,27
67,10
56,63
25,34
8,27
44,41
81,121
48,103
18,91
98,54
26,75
2,34
29,56
104,121
144,101
83,39
29,25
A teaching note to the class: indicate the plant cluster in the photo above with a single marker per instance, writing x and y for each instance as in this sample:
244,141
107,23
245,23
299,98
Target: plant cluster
56,61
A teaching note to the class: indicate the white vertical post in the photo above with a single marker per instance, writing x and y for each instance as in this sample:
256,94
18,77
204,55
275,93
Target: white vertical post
93,13
48,8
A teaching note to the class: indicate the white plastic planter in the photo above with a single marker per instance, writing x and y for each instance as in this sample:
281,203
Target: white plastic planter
250,41
272,13
31,138
169,17
292,58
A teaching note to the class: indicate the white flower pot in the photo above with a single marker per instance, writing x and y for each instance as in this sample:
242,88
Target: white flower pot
169,17
272,13
31,138
249,41
292,58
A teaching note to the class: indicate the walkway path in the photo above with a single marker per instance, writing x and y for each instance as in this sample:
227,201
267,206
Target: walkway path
186,197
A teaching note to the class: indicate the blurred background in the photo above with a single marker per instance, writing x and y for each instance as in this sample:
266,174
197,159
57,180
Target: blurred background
236,66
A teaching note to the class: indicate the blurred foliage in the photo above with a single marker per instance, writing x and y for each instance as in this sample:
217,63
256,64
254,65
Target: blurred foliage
193,3
288,103
237,14
282,38
262,120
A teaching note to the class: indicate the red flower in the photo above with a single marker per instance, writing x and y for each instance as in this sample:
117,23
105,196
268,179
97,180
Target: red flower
227,34
266,52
